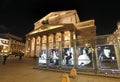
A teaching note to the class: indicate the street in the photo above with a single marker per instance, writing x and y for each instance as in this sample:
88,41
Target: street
16,70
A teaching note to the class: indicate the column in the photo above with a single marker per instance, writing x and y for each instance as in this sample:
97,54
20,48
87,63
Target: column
41,42
30,46
71,38
26,47
35,47
47,42
54,40
47,48
62,39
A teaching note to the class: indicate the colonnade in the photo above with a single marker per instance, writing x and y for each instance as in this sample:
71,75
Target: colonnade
35,43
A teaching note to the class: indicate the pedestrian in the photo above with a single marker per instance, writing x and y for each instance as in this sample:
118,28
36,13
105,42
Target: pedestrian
20,57
4,58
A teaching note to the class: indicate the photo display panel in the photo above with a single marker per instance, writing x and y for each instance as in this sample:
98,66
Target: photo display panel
67,57
84,57
43,57
53,57
106,57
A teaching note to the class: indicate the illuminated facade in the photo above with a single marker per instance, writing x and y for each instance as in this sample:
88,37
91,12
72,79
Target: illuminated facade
12,43
61,41
56,30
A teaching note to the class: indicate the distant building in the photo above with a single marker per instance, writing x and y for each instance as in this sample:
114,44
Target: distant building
11,44
58,29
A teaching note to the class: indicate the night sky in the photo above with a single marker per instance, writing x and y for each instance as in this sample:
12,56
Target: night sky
18,16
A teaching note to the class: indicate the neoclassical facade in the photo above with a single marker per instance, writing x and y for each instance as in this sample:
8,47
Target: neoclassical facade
56,30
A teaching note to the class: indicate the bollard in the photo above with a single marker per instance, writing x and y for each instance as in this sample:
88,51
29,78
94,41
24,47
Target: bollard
65,78
73,73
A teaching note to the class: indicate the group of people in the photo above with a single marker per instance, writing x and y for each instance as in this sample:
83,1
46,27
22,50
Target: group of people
6,55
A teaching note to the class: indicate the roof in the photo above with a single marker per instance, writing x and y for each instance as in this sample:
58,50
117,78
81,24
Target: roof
10,36
62,21
51,28
55,17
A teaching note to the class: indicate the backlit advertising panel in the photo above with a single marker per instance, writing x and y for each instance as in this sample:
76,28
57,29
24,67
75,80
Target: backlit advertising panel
43,57
67,57
84,57
106,57
53,57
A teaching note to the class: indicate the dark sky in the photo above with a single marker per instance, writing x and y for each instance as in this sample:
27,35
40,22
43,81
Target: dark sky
18,16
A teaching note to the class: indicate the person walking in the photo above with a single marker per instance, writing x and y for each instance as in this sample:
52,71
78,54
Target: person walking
4,58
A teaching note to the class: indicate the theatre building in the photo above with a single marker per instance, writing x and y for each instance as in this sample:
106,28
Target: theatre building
56,30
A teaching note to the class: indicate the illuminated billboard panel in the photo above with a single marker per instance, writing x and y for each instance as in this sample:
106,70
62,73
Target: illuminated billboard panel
43,57
106,57
67,57
53,57
84,57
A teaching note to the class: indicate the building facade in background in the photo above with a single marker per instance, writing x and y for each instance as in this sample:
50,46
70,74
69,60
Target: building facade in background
11,44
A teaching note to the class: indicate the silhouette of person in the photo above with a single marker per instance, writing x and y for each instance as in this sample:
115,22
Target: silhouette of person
4,59
68,58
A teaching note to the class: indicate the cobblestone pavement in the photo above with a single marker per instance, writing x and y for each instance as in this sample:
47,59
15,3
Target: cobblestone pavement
16,70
